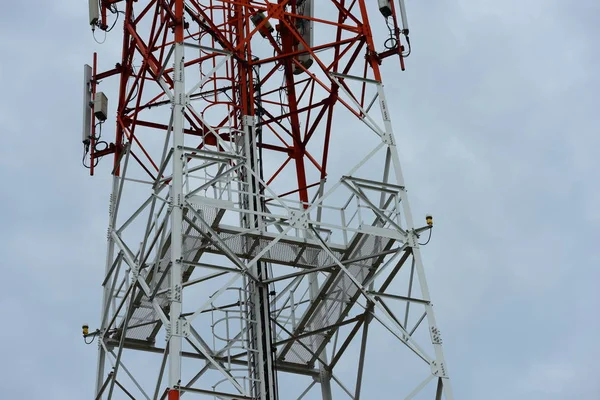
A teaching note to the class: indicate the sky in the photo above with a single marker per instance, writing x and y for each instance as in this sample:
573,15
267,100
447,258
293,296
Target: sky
498,130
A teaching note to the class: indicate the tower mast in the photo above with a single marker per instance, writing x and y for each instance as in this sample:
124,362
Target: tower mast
260,235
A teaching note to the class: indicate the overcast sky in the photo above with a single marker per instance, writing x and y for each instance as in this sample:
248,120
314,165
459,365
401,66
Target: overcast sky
497,120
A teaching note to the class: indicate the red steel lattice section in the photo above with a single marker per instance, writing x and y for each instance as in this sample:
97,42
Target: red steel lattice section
294,102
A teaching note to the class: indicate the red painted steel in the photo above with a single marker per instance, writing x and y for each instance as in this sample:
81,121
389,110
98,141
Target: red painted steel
295,112
173,395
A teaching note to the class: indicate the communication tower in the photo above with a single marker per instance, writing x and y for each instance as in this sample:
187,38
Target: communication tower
260,237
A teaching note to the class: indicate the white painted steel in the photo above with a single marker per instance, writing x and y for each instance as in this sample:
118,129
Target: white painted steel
324,264
86,131
177,202
94,12
403,16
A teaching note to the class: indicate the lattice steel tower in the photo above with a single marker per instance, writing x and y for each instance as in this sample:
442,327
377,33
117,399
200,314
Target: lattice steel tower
260,237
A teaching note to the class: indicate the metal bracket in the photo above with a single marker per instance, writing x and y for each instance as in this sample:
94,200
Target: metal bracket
324,375
135,273
175,295
182,329
412,239
299,220
248,120
176,202
388,139
436,335
439,370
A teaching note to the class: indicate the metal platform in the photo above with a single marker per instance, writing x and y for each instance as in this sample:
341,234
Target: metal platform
316,324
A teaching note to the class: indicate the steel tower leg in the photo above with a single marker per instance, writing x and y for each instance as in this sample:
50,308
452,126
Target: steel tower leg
107,289
175,301
324,375
259,292
439,369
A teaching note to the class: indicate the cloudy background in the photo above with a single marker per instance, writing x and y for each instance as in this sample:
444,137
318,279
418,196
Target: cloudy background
498,122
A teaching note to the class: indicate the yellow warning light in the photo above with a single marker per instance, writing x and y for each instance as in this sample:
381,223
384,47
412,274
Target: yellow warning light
429,220
86,329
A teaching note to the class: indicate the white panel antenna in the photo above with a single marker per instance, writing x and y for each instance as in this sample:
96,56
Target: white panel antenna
403,16
305,27
87,102
94,12
385,7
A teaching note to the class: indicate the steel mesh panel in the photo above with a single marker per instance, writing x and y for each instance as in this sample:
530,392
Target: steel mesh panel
245,246
300,354
332,309
141,316
207,213
144,313
284,252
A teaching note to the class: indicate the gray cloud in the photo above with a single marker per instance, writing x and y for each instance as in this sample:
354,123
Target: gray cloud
498,127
